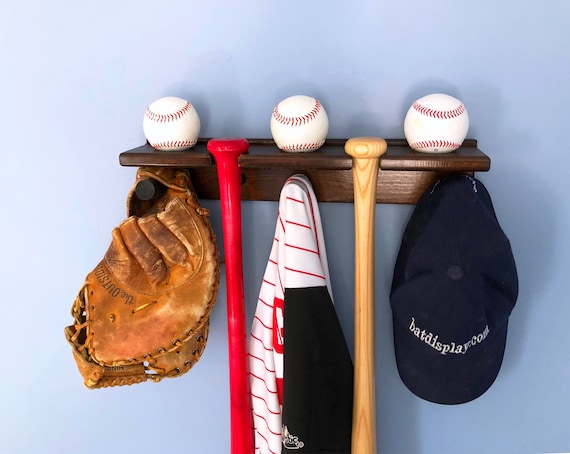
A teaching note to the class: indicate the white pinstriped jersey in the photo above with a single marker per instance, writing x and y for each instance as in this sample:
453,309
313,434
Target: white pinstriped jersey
297,260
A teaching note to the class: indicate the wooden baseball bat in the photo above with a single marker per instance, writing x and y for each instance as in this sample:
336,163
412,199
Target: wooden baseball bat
365,152
226,153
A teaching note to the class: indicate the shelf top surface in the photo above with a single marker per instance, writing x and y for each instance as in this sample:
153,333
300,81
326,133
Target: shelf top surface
263,153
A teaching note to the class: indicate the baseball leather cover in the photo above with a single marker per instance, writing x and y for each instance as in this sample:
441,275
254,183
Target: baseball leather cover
143,312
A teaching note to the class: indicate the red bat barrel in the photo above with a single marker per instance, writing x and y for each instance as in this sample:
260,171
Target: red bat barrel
226,153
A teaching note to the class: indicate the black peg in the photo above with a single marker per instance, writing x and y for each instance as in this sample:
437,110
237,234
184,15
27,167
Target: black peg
146,190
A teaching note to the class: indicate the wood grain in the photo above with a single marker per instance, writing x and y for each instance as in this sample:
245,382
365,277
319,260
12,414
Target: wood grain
365,152
402,177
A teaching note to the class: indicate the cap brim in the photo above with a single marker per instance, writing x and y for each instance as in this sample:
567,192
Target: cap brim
451,378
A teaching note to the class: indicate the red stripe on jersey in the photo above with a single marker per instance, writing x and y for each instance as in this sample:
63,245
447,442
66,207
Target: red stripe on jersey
269,283
281,223
294,199
264,382
305,226
305,272
263,302
268,428
269,349
314,219
301,248
263,361
264,325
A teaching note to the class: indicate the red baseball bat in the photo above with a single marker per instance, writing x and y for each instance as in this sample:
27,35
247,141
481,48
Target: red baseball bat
226,153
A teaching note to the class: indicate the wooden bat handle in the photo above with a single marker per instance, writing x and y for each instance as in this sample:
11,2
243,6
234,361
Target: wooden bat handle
366,152
226,153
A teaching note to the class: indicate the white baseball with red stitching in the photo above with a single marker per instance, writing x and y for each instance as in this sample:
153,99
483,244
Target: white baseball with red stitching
436,123
171,124
299,124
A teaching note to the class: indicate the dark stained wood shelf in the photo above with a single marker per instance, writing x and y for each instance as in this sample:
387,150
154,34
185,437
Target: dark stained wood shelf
403,176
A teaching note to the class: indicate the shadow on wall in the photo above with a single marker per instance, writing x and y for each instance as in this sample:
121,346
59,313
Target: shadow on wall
528,216
522,197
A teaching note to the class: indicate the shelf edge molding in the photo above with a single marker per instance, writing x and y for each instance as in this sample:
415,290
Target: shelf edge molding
403,173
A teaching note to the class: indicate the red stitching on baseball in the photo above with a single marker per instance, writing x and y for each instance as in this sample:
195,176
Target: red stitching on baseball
435,144
174,143
441,114
303,146
297,121
165,118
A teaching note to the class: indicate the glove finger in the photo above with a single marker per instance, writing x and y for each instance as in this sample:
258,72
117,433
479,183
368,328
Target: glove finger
172,250
178,220
143,251
119,259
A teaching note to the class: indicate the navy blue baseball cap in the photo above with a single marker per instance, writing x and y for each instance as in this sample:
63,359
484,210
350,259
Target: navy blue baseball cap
454,286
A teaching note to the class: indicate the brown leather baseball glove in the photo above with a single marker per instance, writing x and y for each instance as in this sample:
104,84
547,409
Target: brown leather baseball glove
143,312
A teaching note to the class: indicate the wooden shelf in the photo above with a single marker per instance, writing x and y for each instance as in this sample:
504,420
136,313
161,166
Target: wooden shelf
403,176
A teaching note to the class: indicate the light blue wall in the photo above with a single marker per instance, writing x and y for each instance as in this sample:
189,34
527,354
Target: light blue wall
75,79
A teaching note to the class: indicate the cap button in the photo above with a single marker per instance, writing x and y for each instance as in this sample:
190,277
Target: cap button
455,272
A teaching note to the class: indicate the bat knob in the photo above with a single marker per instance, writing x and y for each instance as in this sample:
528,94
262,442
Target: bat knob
232,146
365,147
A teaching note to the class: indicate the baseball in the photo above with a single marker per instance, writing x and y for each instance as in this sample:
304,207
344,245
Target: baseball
299,124
436,123
171,124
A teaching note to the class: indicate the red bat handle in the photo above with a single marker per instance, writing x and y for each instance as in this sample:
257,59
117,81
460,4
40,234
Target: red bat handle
226,153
